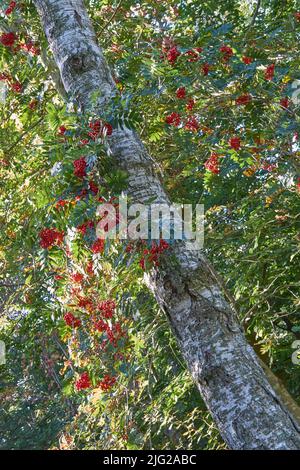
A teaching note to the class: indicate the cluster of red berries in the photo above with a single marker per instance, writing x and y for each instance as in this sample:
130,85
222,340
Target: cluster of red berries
62,130
83,227
227,52
10,8
15,86
151,257
107,382
99,128
107,308
206,68
235,143
80,167
194,54
85,303
98,246
243,100
61,203
190,104
71,320
8,39
83,382
284,102
93,187
270,71
181,92
114,333
172,55
173,119
192,124
50,237
212,164
31,48
77,277
100,325
247,60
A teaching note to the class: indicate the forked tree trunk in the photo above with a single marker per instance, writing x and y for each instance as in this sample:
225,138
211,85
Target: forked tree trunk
225,368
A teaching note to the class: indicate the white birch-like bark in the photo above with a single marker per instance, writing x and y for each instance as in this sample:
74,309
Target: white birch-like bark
225,368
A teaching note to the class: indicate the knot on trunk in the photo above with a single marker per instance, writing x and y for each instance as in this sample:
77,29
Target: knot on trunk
81,62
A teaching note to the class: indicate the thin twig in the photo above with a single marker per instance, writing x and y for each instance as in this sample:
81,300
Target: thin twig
111,18
23,134
255,13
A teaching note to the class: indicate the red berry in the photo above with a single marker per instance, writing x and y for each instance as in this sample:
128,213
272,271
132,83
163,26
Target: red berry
192,124
243,99
247,60
50,237
269,73
173,119
30,47
10,8
107,382
212,164
98,246
62,130
71,320
61,203
17,87
284,102
101,326
8,39
107,308
77,277
235,143
80,167
33,104
172,55
93,187
205,68
193,55
190,104
181,92
83,382
227,52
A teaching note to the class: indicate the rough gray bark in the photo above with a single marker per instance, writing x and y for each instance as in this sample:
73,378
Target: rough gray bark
225,368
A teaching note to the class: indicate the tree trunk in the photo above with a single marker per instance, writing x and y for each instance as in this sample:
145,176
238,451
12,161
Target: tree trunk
225,368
